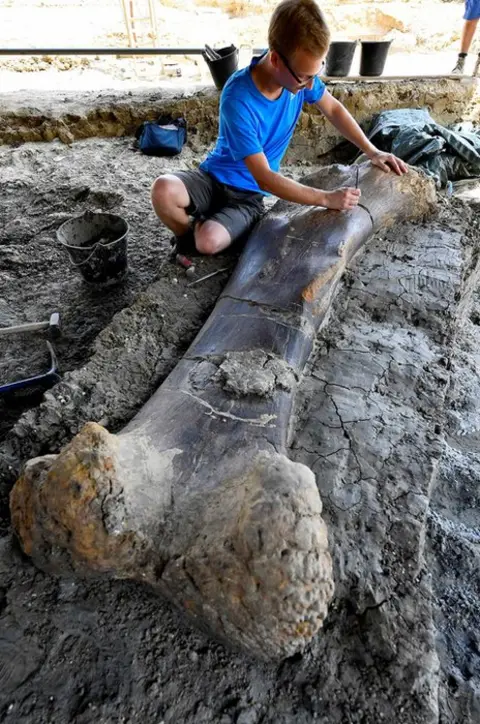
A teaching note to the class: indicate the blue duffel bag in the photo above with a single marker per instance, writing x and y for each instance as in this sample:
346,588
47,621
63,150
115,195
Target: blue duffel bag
163,137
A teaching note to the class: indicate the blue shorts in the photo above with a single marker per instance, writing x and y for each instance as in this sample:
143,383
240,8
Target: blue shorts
472,10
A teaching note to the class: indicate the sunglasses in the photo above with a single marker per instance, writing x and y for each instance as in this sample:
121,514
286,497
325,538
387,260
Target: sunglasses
301,81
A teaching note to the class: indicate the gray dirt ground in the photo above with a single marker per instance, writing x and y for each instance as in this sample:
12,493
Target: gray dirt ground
388,419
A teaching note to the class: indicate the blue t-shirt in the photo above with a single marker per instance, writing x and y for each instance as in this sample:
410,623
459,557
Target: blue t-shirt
251,123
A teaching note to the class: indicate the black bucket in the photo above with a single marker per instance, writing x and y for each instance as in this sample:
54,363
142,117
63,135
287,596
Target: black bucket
224,67
339,58
374,55
97,245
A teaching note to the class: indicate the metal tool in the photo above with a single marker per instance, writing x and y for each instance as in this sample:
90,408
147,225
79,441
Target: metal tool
53,326
356,176
187,264
211,53
47,379
207,276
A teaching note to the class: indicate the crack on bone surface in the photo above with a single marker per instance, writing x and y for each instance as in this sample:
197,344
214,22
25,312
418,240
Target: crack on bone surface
292,318
262,421
256,373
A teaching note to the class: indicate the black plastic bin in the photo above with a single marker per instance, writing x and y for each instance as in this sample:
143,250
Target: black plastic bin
224,67
97,246
339,58
373,57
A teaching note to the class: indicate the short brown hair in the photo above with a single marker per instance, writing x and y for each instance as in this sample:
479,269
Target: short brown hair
298,24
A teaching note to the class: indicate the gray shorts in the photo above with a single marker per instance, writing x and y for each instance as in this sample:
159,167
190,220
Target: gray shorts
236,210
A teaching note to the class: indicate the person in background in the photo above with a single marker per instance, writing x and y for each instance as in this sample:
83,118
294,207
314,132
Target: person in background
259,109
470,16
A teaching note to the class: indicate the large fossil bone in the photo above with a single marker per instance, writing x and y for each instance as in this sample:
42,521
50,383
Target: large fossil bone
196,496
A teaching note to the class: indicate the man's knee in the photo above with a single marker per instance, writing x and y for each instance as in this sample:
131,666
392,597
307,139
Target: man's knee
211,237
168,191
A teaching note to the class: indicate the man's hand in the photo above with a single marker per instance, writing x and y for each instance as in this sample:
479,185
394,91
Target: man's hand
349,128
285,188
341,199
387,161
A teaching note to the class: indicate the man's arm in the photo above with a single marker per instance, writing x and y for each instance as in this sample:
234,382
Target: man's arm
289,190
339,117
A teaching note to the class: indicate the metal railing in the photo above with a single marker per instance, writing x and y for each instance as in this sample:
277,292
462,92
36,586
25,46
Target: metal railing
101,51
